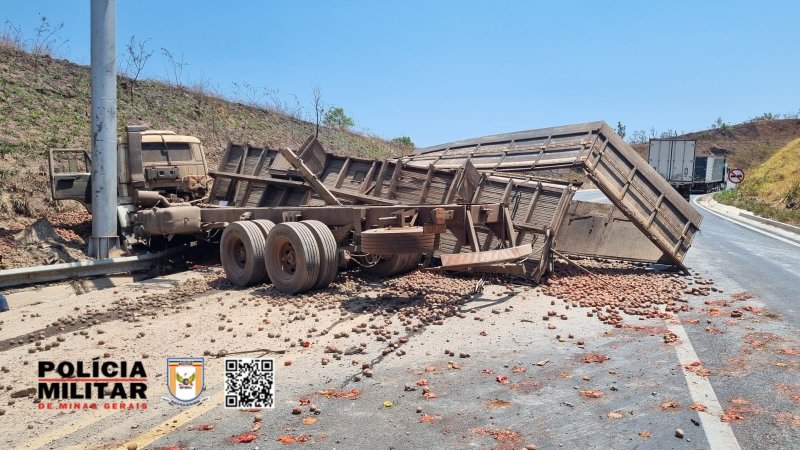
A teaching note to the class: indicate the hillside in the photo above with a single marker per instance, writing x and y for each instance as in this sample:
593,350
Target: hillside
744,145
45,103
777,180
771,189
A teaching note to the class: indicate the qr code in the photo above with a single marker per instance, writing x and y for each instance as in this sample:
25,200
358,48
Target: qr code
249,383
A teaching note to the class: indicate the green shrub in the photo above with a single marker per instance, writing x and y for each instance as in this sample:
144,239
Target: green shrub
404,141
335,117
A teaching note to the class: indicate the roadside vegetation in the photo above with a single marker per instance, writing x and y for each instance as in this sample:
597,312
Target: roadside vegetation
772,189
45,103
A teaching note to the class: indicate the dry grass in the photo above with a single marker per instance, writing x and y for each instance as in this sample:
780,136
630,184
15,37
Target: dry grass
777,181
771,189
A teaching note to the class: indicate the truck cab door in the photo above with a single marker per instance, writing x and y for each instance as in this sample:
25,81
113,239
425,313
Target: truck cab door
70,175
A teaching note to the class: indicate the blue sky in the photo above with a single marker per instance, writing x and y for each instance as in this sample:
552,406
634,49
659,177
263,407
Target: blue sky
441,71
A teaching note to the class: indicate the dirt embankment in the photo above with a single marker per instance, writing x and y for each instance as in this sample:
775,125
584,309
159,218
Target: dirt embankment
45,103
771,189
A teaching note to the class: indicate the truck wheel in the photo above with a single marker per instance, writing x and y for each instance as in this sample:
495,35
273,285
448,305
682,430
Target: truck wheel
242,253
264,225
328,258
413,262
391,265
292,257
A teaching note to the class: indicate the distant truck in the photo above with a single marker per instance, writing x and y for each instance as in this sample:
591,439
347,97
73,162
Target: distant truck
675,160
709,174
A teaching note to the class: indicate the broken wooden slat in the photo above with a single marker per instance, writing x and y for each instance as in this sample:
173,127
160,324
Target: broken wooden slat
475,259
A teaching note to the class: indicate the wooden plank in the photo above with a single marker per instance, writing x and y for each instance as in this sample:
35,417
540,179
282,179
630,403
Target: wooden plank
368,179
364,198
477,259
309,176
256,170
453,189
376,191
531,208
342,173
427,186
473,237
655,211
476,197
398,170
267,179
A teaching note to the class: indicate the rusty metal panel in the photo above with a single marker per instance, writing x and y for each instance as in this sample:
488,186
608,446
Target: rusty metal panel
536,208
229,162
601,230
625,178
645,197
489,257
313,155
547,147
246,178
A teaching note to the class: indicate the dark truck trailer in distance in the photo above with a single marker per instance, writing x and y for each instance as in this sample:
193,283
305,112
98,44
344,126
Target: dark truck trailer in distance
709,174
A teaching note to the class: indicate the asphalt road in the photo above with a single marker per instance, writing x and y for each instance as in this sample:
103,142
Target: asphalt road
741,260
648,392
750,359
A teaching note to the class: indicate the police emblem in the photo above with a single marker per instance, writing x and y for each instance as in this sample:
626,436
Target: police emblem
185,381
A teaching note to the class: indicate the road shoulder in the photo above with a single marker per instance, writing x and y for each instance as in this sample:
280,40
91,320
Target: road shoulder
739,216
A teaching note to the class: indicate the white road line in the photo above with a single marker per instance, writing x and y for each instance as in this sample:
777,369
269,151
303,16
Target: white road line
718,433
750,227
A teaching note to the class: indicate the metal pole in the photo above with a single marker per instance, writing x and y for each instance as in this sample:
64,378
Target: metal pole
104,128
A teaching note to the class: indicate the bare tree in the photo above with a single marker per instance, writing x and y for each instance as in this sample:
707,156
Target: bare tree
248,94
136,57
319,108
175,65
280,105
46,39
638,137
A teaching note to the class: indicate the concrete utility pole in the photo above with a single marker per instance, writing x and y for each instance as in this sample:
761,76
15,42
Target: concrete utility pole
104,128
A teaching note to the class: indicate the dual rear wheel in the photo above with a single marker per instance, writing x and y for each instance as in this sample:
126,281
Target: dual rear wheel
294,256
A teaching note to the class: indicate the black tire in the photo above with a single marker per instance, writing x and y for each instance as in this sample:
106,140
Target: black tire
412,264
265,226
328,257
292,257
241,250
391,265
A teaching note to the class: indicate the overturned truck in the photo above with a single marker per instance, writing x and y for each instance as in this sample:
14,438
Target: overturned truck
474,205
482,204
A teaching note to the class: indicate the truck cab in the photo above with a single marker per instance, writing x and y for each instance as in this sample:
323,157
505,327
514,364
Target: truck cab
153,166
159,161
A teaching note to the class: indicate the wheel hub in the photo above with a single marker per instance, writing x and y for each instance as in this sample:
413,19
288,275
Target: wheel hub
240,254
288,258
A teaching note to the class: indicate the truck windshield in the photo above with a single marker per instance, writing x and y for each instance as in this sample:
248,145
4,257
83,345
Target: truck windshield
157,151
